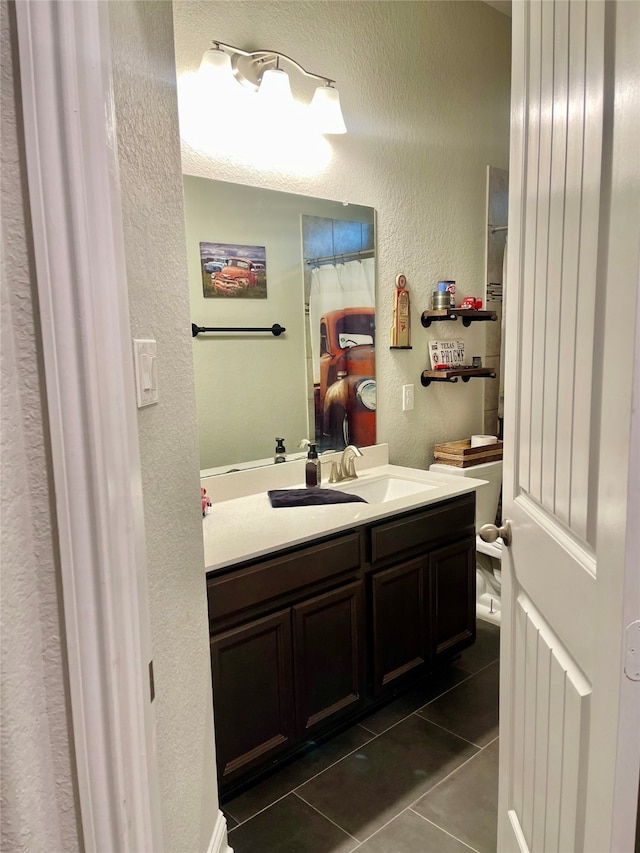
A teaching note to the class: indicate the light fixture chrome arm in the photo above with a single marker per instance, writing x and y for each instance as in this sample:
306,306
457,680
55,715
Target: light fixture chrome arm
249,72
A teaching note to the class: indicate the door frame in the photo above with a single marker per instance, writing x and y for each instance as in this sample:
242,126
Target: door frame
75,208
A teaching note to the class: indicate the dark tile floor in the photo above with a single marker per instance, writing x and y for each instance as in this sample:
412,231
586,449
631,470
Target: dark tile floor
418,776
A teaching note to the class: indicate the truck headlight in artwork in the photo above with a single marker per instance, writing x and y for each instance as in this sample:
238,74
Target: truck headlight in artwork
366,394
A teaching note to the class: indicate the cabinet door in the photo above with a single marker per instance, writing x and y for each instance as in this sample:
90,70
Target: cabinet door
400,637
452,579
328,657
252,693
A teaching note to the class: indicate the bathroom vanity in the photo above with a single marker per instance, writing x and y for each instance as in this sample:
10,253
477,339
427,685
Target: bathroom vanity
315,633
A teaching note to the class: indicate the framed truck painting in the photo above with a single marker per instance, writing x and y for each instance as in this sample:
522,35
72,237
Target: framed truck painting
232,271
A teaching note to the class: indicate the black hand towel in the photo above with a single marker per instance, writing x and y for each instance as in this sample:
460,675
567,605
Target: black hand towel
311,497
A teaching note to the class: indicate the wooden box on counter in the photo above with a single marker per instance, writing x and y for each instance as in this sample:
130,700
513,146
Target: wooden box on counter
460,454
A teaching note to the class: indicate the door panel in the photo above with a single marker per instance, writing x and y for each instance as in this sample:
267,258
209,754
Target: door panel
572,265
328,659
560,258
400,636
253,693
550,727
452,594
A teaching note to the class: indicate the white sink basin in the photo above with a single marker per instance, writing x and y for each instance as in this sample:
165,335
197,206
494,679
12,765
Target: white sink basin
383,489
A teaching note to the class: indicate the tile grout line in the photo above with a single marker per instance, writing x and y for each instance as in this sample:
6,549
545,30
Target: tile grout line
448,731
315,775
468,675
455,770
337,761
407,808
384,731
482,669
435,698
442,829
384,825
263,809
410,806
374,737
337,825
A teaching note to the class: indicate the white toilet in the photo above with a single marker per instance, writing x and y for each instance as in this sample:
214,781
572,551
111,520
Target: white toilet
488,555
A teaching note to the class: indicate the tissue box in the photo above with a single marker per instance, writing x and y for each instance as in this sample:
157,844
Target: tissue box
460,454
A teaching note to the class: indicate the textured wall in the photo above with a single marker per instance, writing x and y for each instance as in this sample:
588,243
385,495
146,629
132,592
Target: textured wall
38,801
425,93
149,155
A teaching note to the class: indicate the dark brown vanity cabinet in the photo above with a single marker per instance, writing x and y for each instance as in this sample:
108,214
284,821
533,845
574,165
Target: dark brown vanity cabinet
317,635
422,607
281,678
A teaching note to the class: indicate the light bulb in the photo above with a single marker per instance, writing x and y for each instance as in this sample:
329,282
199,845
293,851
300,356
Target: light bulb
326,111
215,67
275,87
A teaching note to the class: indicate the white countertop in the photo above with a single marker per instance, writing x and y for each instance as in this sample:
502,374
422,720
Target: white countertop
247,527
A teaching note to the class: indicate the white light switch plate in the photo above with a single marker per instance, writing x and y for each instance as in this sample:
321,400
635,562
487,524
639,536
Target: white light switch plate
144,356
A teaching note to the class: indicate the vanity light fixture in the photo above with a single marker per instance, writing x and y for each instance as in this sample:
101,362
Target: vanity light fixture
261,71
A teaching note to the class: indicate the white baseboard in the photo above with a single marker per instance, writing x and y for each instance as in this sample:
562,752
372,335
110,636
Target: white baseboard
218,843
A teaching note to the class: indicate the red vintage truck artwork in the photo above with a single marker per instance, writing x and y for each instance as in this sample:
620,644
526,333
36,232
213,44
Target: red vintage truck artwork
346,394
238,273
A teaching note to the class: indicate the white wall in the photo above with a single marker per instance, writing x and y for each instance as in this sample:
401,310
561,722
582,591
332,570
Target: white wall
149,157
425,93
39,807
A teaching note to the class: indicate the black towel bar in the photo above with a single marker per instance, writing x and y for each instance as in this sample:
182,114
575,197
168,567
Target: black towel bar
275,330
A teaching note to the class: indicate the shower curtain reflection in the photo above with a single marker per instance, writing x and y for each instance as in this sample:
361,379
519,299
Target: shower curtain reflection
342,343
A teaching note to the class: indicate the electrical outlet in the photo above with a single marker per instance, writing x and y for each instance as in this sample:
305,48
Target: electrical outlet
407,398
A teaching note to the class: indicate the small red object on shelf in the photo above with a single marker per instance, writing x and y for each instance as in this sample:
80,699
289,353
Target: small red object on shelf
471,302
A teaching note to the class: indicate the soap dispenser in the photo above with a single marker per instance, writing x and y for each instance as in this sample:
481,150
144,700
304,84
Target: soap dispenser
312,468
280,454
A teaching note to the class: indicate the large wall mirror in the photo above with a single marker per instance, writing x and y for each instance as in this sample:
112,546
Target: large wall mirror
260,257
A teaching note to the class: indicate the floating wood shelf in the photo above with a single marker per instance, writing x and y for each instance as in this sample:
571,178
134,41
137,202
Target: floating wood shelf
429,317
471,315
468,315
465,373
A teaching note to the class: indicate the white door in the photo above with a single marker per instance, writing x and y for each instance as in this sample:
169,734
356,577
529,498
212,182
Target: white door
569,714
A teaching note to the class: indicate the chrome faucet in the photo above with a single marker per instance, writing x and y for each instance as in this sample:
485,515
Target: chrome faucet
345,469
